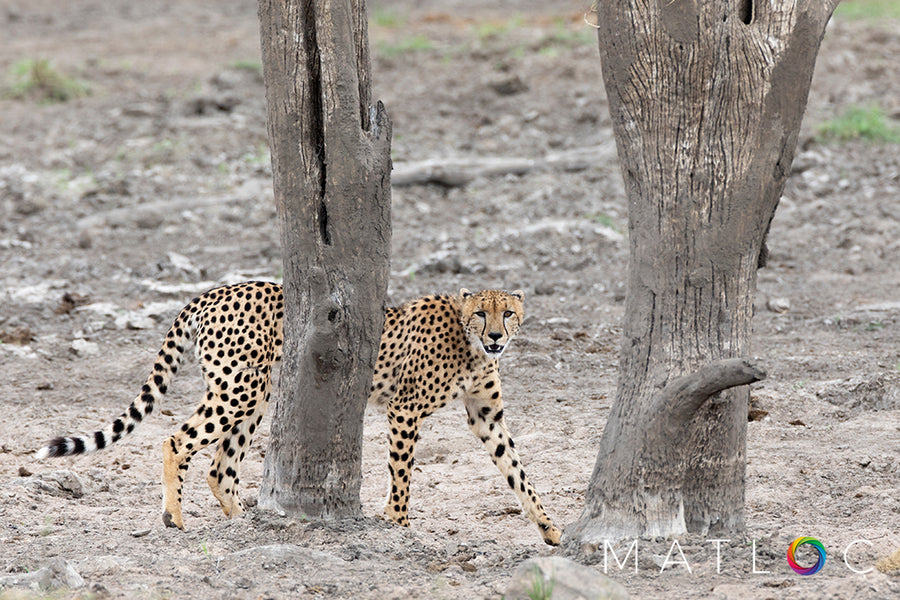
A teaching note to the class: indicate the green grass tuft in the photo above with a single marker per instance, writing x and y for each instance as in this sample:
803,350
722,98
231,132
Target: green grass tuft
38,80
416,43
488,30
867,123
605,220
564,35
251,66
871,10
541,589
387,18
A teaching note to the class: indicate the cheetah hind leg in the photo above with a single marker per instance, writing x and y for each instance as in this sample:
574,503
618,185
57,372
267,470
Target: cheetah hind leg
223,478
224,473
200,430
173,478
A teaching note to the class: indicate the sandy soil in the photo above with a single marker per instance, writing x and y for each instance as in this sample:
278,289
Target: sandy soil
119,206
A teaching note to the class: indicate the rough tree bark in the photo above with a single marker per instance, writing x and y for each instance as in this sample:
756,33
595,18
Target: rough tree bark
331,168
706,98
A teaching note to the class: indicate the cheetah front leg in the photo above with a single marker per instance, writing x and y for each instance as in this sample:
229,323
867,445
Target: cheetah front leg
485,410
404,433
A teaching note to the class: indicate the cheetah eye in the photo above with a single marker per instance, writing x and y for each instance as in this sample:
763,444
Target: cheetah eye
480,313
507,314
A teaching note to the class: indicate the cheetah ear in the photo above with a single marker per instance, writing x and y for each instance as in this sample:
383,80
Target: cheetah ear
464,293
518,294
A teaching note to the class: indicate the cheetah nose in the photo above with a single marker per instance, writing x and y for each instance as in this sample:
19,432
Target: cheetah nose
495,336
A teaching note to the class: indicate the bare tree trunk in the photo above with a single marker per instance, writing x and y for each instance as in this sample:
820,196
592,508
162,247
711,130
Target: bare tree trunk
331,166
706,98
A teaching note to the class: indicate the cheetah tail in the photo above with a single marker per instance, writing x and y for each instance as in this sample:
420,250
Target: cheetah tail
164,368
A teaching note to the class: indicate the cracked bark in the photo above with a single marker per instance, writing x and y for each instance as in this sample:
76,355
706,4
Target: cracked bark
331,170
706,99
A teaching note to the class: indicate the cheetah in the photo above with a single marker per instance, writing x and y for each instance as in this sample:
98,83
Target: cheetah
433,350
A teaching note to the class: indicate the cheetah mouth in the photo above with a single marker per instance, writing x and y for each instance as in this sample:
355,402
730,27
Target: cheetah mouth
493,349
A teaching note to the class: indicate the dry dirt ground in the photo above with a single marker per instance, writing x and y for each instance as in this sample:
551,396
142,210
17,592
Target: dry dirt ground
120,205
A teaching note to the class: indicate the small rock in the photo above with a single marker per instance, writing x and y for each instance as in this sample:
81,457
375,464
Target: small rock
140,109
397,592
805,161
105,565
18,351
594,348
81,348
27,206
467,567
24,472
210,105
64,574
561,336
139,533
869,393
85,242
69,302
58,574
778,305
508,86
134,321
183,263
569,580
445,262
437,566
149,220
60,483
98,479
21,335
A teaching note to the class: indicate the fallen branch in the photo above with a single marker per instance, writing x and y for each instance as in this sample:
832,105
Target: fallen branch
458,171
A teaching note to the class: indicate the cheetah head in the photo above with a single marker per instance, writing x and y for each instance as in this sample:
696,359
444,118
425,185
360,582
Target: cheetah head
491,318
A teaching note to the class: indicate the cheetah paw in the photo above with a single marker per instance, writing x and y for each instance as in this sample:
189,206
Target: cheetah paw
170,520
551,536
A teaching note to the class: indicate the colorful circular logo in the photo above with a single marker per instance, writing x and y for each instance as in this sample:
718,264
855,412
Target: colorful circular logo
816,545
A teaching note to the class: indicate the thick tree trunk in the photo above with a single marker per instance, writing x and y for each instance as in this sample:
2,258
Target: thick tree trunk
331,166
706,99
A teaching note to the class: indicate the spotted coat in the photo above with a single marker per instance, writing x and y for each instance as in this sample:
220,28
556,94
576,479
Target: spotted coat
433,350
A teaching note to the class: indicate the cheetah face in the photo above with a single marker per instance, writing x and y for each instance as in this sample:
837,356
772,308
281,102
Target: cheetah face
491,318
